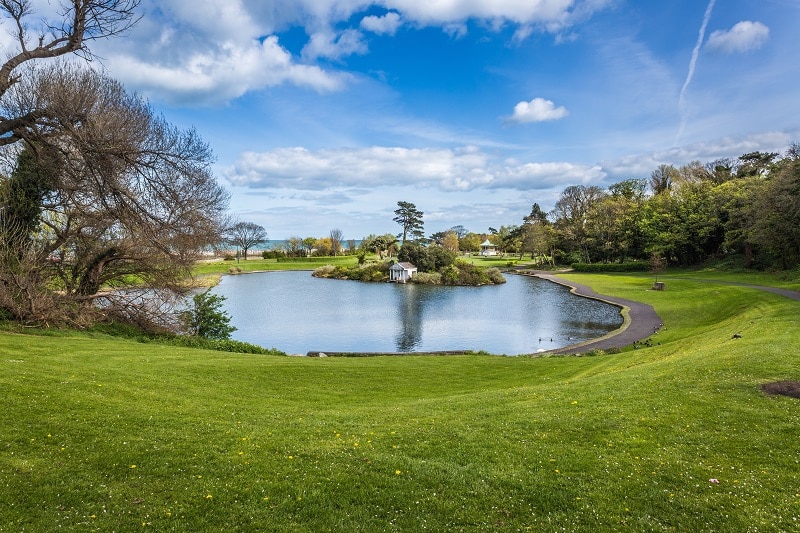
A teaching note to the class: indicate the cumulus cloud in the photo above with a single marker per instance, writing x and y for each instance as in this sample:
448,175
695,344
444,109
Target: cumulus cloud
537,110
742,37
547,175
641,165
329,45
428,12
221,74
299,168
458,169
216,51
385,25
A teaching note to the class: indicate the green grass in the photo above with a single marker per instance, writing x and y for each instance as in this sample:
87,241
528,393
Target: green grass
101,434
204,268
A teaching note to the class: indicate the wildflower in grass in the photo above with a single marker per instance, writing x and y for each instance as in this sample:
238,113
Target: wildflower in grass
208,496
713,480
133,466
575,402
397,472
291,457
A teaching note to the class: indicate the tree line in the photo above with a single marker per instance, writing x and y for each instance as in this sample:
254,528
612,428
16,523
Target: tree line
746,208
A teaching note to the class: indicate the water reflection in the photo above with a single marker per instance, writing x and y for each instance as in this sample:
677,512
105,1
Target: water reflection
412,306
296,313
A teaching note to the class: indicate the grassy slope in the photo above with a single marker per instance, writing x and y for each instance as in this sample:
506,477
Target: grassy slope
103,434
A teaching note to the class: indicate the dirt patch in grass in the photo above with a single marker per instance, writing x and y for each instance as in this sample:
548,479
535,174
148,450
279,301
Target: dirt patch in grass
784,388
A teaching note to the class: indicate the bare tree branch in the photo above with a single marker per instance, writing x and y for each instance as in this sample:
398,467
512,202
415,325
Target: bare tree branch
82,21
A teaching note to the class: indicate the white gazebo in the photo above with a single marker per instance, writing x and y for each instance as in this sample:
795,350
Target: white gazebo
401,272
487,248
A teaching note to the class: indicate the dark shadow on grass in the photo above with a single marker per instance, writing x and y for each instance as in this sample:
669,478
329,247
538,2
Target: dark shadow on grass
782,388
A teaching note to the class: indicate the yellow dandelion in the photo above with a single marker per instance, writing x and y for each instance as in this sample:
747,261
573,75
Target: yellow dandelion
133,466
291,457
397,472
208,496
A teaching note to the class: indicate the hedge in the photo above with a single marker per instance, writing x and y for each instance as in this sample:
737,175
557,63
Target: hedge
638,266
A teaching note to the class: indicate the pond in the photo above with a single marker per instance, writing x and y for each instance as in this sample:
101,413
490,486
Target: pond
297,313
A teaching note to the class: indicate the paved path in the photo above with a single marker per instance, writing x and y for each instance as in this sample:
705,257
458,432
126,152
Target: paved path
640,320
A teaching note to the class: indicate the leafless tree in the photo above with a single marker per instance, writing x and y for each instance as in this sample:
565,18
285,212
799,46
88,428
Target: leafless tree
662,178
130,198
245,235
80,21
336,241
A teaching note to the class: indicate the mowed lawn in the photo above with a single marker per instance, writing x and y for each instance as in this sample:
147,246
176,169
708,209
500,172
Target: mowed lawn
102,434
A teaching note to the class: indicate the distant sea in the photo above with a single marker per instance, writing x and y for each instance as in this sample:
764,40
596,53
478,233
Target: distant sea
273,243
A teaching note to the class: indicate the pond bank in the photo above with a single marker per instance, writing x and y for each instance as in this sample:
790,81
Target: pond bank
640,320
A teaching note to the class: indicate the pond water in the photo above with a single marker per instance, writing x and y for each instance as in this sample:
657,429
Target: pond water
297,313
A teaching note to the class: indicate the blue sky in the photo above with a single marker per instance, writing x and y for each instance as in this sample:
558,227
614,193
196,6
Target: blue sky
323,114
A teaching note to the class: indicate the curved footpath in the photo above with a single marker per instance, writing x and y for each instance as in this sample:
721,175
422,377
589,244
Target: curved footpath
640,320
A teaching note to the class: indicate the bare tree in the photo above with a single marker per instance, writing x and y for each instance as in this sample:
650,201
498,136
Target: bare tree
80,21
128,197
336,241
245,235
662,178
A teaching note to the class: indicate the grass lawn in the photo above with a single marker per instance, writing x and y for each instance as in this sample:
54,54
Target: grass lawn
102,434
219,266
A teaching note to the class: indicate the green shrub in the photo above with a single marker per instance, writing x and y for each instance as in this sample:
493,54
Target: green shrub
367,272
634,266
220,345
205,317
495,276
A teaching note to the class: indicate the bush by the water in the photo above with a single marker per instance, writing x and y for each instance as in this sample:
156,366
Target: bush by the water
633,266
365,272
462,273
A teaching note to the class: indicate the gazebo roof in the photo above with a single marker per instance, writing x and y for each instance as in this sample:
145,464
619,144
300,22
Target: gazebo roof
486,243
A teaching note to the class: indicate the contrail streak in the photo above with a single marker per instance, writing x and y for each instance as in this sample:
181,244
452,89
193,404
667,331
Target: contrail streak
692,63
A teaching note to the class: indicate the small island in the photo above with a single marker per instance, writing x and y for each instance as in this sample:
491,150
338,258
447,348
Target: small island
416,263
458,273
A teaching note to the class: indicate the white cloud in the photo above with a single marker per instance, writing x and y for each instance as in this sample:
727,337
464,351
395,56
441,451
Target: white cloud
435,12
538,110
460,169
222,73
299,168
546,175
385,25
742,37
210,51
641,165
329,45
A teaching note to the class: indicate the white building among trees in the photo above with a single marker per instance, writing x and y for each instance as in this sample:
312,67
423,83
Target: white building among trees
401,272
488,249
